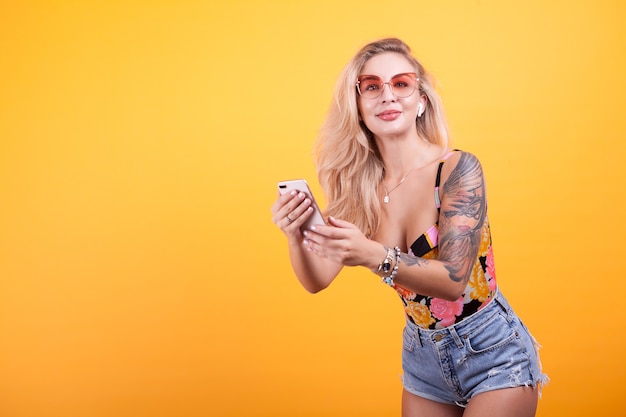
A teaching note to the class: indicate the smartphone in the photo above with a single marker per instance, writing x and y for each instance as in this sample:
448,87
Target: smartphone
301,185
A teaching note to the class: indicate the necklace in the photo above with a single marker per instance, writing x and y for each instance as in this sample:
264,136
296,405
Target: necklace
387,192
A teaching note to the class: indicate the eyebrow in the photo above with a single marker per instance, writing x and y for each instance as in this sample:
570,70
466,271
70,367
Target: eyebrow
376,77
369,77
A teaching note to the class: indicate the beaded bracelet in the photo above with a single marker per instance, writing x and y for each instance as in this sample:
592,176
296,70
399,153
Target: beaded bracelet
389,278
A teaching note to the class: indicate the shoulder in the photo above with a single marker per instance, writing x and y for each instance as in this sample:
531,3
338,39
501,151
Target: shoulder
454,155
459,164
451,157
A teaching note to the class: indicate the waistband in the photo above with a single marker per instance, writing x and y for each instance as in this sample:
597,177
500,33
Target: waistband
455,332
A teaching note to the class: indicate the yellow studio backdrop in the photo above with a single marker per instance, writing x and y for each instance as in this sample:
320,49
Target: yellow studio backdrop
140,145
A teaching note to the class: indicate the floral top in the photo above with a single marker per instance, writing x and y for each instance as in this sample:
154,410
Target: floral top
435,313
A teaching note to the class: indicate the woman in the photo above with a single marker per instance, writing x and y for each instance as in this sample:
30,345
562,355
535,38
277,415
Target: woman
404,206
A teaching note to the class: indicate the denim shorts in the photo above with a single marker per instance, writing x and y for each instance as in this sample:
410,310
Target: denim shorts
492,349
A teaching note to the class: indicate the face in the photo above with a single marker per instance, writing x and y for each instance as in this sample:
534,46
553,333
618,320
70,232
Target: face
389,115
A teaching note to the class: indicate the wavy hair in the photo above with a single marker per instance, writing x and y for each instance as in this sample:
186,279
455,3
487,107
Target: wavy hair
349,165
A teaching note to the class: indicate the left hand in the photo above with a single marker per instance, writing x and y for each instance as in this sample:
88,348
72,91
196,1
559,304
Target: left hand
342,242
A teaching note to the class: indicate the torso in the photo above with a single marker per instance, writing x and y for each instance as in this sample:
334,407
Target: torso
411,210
410,220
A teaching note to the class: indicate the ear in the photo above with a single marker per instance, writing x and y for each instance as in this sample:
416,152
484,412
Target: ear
421,106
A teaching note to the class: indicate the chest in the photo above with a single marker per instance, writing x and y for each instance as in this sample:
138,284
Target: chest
410,212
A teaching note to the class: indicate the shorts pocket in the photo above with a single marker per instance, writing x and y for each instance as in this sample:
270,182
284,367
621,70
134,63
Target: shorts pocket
408,340
497,333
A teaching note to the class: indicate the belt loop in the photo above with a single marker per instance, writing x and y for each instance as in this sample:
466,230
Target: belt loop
455,336
418,336
499,298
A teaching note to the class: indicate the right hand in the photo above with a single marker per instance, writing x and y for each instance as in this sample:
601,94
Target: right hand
290,211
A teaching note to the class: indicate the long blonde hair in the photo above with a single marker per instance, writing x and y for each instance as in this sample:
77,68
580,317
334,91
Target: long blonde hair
349,166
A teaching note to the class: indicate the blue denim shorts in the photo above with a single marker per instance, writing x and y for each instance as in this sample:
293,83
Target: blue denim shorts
490,350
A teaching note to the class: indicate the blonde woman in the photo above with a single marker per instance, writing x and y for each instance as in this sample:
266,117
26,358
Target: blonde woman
404,206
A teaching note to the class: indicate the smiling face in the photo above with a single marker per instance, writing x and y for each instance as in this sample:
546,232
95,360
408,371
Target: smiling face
388,115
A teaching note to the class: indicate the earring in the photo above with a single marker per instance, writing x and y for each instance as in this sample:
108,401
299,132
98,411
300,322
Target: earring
420,110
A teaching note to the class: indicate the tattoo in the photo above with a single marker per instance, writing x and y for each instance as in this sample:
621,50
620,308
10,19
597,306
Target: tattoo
463,213
412,260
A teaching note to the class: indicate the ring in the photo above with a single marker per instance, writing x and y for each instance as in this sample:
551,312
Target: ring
288,219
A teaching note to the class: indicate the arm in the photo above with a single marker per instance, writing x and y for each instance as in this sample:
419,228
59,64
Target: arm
463,212
314,273
462,215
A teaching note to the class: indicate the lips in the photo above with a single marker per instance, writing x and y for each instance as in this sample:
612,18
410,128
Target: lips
388,115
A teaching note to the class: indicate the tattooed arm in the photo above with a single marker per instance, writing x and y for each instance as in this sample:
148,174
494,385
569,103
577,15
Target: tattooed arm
463,212
462,216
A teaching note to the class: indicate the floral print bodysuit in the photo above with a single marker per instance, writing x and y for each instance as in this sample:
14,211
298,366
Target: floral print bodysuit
435,313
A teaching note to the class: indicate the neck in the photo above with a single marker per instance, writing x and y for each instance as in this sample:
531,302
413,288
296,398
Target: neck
401,157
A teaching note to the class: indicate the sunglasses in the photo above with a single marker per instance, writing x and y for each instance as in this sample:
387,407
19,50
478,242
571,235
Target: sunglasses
401,85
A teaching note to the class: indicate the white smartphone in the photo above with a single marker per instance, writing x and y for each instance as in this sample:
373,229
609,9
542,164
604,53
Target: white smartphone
301,185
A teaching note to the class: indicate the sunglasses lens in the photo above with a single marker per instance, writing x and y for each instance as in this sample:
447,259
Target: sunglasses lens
370,86
403,85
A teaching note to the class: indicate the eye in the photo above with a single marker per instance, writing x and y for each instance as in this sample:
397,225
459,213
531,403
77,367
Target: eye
403,81
370,86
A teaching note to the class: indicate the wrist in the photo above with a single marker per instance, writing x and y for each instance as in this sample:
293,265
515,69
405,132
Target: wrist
385,265
387,269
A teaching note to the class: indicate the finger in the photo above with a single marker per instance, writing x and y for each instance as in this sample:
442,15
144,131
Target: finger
281,200
332,232
340,223
300,215
283,205
288,225
296,208
313,237
320,246
311,245
293,221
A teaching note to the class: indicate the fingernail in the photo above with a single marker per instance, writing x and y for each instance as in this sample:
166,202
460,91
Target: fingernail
313,228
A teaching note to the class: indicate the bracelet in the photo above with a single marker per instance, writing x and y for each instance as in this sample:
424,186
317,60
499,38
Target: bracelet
385,266
389,278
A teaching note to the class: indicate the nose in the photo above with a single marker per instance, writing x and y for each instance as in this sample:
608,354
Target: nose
387,94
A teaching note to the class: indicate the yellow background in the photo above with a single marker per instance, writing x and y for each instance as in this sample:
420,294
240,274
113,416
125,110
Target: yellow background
140,144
